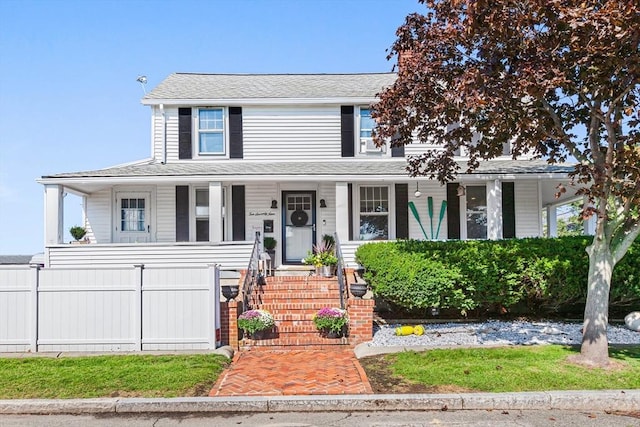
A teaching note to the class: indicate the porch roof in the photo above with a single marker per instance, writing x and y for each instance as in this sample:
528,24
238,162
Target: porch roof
150,172
338,169
198,86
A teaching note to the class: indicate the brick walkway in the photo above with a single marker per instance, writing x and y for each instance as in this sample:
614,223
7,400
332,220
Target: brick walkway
292,372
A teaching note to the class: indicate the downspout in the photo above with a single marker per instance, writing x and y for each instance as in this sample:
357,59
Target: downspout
164,135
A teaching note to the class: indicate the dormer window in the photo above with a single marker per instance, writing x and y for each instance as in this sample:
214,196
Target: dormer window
366,125
211,131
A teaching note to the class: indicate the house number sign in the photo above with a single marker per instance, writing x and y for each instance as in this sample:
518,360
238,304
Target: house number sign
262,213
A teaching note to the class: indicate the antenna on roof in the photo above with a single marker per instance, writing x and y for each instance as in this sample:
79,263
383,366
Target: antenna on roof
143,81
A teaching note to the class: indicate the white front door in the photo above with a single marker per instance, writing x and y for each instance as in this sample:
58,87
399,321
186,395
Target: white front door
299,224
133,217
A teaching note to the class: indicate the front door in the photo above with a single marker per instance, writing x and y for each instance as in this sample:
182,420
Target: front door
132,217
299,219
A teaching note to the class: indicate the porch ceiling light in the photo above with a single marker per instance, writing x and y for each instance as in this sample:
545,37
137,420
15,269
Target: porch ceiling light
417,193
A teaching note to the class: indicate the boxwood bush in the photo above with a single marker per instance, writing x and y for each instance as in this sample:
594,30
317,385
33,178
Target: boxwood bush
535,276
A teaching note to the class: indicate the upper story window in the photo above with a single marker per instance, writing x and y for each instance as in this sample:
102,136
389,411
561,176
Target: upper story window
211,131
366,125
374,213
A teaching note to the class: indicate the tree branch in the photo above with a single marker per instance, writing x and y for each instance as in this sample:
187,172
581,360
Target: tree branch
566,140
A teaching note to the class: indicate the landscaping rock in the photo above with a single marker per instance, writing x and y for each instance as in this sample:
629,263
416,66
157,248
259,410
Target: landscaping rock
632,320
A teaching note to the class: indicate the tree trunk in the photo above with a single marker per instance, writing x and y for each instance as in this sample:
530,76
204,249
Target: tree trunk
595,345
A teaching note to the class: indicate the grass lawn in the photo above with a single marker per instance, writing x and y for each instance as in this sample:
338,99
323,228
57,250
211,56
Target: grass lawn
110,376
505,369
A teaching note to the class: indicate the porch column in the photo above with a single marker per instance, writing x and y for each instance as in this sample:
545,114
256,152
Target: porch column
494,210
53,214
342,211
552,221
215,212
589,224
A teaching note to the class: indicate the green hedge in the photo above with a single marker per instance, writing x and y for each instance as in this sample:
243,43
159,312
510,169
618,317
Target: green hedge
531,275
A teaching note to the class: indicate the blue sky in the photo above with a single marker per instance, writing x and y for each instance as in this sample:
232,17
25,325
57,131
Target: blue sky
69,100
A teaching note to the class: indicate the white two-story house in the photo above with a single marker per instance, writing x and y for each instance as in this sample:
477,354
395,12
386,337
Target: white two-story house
290,156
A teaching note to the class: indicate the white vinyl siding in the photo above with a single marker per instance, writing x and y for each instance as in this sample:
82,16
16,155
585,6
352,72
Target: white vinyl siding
295,133
166,213
327,216
231,256
438,193
98,210
527,204
258,208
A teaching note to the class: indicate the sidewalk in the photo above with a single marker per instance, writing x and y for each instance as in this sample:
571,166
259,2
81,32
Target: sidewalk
293,372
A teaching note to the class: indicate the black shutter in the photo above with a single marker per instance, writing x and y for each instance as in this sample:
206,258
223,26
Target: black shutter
402,211
453,211
397,151
235,133
350,209
182,213
347,131
184,133
238,214
508,210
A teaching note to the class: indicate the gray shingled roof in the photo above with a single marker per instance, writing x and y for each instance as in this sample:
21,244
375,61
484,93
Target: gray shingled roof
15,259
310,168
247,86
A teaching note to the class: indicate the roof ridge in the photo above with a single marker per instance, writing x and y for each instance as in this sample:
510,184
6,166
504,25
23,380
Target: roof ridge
284,74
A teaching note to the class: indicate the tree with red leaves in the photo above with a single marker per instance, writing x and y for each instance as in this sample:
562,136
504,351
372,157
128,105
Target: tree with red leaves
557,79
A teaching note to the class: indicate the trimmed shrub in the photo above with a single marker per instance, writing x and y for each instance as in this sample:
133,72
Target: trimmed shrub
541,276
413,281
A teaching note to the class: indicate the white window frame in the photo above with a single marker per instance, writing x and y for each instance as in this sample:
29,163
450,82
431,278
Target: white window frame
365,146
197,132
390,213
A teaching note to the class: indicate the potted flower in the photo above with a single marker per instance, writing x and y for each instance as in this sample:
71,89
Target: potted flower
323,258
331,322
255,322
270,246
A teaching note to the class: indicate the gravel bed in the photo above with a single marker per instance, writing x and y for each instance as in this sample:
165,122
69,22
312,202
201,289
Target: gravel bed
495,332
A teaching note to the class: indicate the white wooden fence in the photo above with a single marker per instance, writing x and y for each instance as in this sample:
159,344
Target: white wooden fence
109,309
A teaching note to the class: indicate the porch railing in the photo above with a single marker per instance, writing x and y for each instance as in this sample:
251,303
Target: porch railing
251,277
340,272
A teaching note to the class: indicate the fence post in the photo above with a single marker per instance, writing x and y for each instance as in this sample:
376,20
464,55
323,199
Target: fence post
137,326
215,333
33,333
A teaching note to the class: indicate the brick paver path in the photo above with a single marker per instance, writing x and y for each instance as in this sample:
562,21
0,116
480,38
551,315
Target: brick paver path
292,372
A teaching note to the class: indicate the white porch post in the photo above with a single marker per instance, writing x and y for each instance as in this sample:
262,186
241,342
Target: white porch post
589,224
342,211
552,221
53,214
494,209
215,212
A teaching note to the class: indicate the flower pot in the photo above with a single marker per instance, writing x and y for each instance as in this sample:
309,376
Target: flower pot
258,335
335,334
230,291
326,271
358,290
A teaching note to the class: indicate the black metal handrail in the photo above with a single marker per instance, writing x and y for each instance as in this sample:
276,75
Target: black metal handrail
251,277
340,272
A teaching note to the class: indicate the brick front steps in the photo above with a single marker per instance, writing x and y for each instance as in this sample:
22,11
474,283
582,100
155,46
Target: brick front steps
293,301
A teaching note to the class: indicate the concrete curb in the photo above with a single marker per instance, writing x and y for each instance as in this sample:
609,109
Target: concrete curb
605,400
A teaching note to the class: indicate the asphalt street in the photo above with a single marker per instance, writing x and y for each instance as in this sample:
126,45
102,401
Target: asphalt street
493,418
